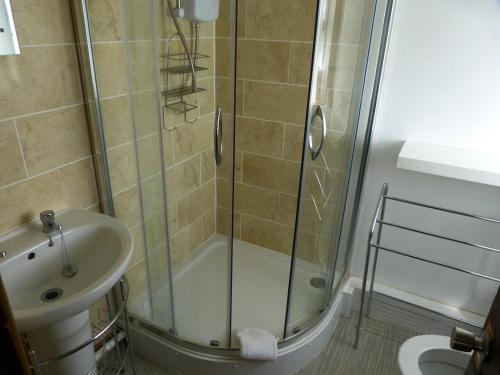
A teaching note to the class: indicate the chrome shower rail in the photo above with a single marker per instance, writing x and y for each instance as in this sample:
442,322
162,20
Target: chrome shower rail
374,241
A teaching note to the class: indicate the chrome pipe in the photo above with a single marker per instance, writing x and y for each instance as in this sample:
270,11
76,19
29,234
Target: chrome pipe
469,272
438,208
383,192
435,235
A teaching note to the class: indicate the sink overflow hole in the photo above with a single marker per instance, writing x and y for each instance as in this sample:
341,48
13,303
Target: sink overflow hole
317,282
31,256
51,294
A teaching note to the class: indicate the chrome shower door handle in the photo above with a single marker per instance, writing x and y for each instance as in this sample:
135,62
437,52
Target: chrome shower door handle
319,112
218,136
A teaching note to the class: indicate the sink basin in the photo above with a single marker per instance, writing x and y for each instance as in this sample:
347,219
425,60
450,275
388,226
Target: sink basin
99,245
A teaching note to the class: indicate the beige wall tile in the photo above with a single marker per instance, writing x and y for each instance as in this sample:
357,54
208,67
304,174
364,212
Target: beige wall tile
206,99
222,57
196,204
256,201
116,118
168,150
185,242
263,60
173,225
276,102
267,234
208,225
54,138
111,69
287,209
11,158
222,97
71,186
139,21
183,178
294,142
274,174
39,79
158,263
223,24
306,248
122,167
207,165
223,191
192,139
259,136
300,63
148,155
137,279
146,120
142,68
281,20
106,20
138,250
223,222
155,231
43,22
127,206
223,170
152,196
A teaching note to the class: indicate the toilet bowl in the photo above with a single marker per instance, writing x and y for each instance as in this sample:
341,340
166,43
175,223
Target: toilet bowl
431,355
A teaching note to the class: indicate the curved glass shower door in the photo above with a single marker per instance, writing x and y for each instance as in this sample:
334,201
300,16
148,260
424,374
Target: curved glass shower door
343,35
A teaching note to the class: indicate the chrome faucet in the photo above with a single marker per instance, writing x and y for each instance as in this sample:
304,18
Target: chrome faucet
48,222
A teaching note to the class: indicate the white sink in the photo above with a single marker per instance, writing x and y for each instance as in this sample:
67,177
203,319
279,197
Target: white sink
100,246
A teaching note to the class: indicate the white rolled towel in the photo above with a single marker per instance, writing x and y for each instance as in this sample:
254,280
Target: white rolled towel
258,344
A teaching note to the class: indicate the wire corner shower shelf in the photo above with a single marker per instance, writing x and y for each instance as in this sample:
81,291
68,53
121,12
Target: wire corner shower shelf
375,244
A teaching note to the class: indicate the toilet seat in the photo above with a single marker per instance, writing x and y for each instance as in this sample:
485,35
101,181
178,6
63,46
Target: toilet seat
429,355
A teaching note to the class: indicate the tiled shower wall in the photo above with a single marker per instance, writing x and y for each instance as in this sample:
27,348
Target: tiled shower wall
273,67
273,70
45,160
188,139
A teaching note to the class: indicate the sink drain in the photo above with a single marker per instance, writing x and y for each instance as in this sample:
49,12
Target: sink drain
51,294
317,282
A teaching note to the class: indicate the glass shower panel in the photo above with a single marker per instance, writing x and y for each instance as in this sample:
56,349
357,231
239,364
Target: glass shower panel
118,62
141,46
274,47
343,31
198,123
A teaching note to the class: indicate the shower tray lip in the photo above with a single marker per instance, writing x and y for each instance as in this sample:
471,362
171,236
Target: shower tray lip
293,353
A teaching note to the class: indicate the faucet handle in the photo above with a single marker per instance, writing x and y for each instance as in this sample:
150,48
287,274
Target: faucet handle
47,218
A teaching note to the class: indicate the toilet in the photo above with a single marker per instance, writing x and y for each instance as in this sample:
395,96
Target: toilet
431,355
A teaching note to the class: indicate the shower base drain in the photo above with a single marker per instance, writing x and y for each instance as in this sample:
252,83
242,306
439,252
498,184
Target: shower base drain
317,282
51,294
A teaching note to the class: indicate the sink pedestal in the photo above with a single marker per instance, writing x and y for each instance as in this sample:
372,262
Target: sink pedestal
49,341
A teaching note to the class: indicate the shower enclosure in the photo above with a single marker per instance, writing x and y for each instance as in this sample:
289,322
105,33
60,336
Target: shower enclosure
226,146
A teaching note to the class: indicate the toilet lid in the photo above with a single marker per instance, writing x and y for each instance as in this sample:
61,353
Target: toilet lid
412,349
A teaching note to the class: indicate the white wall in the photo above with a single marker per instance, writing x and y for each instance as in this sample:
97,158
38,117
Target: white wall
441,85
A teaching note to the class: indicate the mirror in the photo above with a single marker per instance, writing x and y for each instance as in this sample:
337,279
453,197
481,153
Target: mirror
8,37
